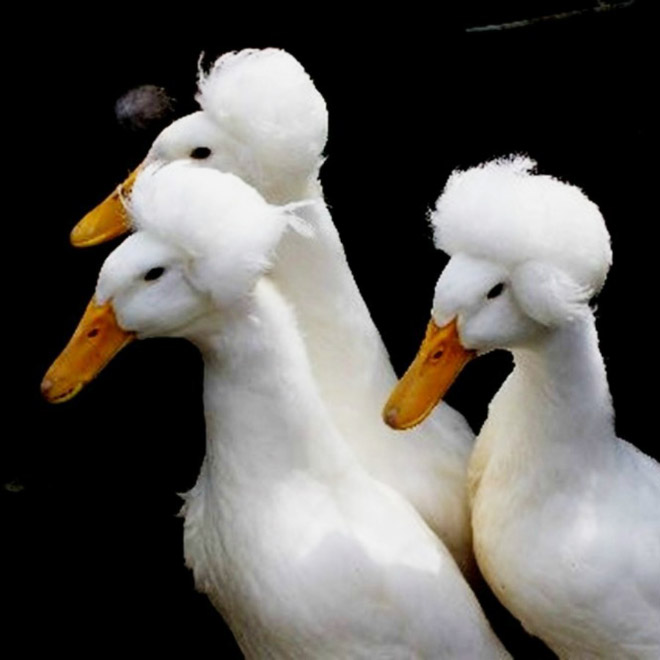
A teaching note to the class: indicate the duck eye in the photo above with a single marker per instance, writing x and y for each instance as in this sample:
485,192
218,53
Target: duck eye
200,153
495,291
153,274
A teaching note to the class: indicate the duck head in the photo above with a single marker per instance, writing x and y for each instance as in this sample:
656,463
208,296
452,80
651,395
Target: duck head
262,119
204,239
527,254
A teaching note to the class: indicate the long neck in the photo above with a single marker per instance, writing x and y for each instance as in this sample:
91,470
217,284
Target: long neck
314,275
556,405
264,417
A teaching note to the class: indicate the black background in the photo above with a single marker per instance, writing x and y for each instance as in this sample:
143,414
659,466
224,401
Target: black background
90,487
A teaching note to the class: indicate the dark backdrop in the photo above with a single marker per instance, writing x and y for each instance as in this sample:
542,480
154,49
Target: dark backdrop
90,486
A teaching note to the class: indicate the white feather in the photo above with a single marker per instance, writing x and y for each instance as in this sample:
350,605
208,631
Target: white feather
264,120
303,553
266,101
564,514
504,212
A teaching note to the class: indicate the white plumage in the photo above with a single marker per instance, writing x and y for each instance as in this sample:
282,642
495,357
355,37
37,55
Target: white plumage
498,211
304,554
266,101
264,120
565,515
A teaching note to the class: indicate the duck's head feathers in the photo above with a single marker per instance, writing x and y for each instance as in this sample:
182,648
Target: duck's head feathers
267,103
262,119
227,229
527,253
204,239
504,212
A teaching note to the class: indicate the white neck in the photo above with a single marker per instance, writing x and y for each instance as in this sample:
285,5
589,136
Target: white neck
355,377
556,405
264,418
566,370
313,274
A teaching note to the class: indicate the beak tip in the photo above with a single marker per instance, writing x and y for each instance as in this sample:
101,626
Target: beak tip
54,394
390,416
49,390
80,236
74,237
46,386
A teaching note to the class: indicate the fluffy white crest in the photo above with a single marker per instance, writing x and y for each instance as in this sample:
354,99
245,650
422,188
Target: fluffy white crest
266,101
504,212
227,228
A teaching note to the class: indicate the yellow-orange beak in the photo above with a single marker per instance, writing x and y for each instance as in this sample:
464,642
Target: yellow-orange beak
108,220
439,360
97,339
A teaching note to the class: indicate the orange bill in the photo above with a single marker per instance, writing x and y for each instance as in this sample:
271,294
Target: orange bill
439,360
97,339
108,220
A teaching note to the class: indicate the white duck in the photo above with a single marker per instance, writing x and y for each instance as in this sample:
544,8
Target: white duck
566,516
263,120
303,553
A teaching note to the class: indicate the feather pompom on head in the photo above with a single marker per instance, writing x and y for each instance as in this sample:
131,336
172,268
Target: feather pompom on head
265,100
504,212
225,225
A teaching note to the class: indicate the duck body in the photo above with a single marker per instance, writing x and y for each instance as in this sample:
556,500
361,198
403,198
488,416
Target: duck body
263,120
299,548
305,554
565,515
354,375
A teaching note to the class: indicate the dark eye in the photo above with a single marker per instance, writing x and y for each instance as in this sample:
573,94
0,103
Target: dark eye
495,291
153,274
200,153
